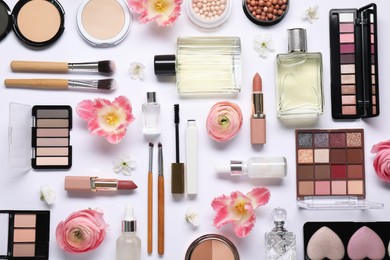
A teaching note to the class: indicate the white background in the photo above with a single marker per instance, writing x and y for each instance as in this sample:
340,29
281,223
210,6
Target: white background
93,155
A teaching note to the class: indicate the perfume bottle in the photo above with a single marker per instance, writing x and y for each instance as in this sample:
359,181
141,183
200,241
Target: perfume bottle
203,65
279,243
299,79
128,245
151,115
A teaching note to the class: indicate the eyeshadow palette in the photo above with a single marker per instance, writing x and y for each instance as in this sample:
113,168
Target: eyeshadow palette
354,63
48,145
330,164
346,240
28,234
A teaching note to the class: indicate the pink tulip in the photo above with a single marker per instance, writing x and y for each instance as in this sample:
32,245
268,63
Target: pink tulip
82,231
239,209
224,121
382,160
106,118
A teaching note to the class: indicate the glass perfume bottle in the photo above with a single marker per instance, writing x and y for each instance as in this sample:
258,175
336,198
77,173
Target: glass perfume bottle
151,115
128,245
279,243
299,79
203,65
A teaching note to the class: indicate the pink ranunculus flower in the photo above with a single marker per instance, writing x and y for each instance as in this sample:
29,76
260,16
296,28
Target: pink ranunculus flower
82,231
224,121
239,209
382,160
106,118
163,12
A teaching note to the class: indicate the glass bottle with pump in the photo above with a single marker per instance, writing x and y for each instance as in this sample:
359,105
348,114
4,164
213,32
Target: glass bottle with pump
128,245
151,115
299,79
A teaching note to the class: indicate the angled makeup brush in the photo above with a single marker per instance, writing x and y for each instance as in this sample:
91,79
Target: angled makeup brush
104,66
60,84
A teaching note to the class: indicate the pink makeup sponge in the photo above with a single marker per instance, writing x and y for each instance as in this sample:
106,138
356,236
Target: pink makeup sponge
325,243
365,243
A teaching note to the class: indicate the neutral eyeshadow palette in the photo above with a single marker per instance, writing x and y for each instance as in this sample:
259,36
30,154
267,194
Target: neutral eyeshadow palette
346,240
28,234
354,63
48,143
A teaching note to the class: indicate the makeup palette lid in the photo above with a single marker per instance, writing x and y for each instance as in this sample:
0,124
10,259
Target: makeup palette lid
5,20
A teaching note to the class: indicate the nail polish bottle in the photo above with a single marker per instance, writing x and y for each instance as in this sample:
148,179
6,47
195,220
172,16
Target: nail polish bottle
128,245
280,243
151,115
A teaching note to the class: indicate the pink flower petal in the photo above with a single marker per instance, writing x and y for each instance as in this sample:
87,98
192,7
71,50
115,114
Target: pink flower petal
85,109
220,202
137,5
380,146
259,196
243,227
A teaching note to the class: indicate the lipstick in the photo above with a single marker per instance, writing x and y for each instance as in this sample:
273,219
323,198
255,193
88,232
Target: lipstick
87,183
258,116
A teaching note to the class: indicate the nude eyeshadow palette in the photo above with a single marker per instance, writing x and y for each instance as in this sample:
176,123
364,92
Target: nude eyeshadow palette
354,62
28,234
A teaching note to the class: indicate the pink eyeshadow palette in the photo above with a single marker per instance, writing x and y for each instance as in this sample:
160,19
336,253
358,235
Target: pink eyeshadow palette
330,165
28,234
354,59
346,240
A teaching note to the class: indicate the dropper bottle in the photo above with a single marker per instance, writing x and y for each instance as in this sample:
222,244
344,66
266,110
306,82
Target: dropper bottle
128,245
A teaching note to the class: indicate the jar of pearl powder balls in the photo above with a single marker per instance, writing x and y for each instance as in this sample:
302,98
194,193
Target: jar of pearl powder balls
208,14
265,12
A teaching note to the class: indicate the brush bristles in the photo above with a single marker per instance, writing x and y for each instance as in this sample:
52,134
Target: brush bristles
176,110
106,84
159,145
151,145
106,66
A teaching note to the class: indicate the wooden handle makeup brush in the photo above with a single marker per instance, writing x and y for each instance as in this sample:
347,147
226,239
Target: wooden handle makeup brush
160,209
150,200
104,66
60,84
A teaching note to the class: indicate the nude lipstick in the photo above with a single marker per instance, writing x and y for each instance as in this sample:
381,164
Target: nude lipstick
87,183
258,116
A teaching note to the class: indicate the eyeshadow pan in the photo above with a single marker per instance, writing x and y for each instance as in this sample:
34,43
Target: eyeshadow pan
52,151
52,161
52,141
321,155
355,156
338,156
355,187
25,249
348,100
52,132
355,171
305,172
346,17
52,123
347,37
348,110
322,172
305,140
348,69
52,113
321,140
347,58
25,220
339,187
354,139
305,156
347,27
338,172
24,235
348,89
322,188
348,79
337,139
306,188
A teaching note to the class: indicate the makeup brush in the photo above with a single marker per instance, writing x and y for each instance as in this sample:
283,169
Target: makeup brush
150,200
160,202
60,84
104,66
177,178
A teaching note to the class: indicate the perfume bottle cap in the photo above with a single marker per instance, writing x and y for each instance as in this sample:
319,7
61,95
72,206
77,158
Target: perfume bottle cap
165,65
151,97
129,224
297,40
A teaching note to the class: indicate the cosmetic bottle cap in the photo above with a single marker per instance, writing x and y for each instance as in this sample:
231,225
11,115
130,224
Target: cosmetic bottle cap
151,97
165,65
129,224
297,40
279,215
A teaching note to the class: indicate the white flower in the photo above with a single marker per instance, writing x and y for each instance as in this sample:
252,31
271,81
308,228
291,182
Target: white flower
263,44
311,14
124,164
192,217
48,194
137,70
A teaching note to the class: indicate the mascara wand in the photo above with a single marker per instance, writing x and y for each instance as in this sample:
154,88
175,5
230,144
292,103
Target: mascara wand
177,178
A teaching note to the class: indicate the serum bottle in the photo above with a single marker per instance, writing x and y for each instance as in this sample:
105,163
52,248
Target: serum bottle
128,245
280,243
299,79
151,115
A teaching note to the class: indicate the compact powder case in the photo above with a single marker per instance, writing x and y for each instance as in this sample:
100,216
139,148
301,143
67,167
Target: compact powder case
103,23
212,247
37,23
28,234
44,143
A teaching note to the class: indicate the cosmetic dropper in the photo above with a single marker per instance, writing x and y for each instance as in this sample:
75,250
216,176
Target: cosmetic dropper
128,245
257,167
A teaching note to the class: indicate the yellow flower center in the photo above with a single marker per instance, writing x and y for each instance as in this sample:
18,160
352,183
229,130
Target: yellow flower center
111,118
240,208
77,235
160,6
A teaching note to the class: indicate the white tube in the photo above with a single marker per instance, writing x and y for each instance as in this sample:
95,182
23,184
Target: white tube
192,157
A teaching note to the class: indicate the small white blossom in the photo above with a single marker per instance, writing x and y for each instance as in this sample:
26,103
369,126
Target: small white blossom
124,164
192,217
137,70
311,14
263,44
48,194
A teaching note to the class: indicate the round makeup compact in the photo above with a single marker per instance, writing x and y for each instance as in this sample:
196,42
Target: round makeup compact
208,14
103,23
37,23
265,12
212,247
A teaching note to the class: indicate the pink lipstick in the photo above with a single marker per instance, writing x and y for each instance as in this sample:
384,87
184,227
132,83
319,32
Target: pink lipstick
86,183
258,117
